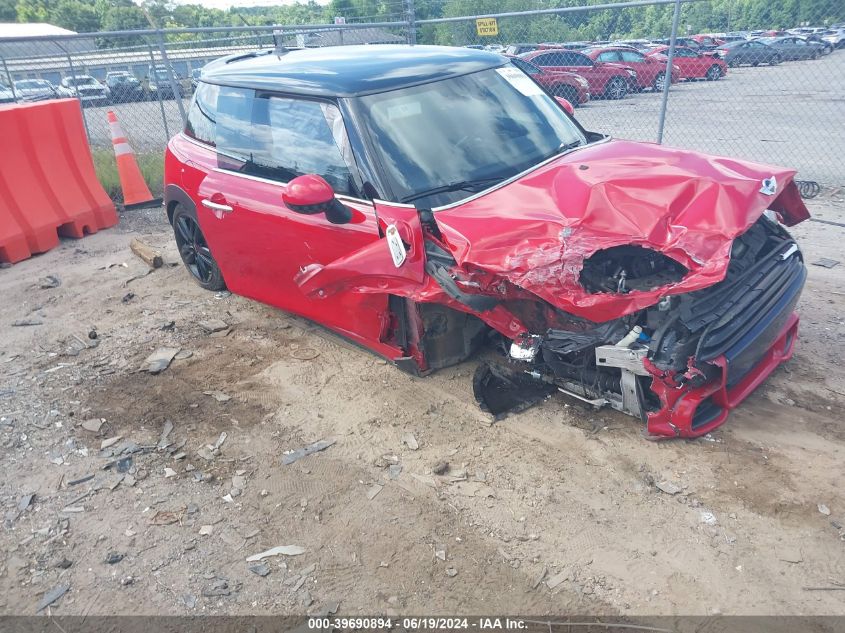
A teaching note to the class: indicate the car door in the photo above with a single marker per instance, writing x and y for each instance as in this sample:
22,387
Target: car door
647,69
263,141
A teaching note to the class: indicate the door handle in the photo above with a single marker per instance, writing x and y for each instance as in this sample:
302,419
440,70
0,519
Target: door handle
216,206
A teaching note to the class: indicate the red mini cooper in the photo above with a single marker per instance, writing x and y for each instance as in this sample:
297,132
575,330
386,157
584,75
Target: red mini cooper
428,202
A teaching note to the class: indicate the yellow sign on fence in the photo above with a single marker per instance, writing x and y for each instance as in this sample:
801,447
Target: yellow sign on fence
487,26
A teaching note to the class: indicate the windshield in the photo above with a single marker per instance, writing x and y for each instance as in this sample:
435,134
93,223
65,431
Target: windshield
31,83
441,141
80,81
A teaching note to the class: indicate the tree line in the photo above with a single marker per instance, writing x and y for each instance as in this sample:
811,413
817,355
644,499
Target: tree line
88,16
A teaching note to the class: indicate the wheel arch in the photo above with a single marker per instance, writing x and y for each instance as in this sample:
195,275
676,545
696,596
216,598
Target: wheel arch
175,196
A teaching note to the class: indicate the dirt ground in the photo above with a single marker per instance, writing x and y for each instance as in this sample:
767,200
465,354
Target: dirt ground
553,510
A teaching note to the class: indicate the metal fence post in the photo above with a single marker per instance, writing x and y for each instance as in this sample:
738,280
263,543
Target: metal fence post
667,80
9,77
76,89
412,23
174,86
158,94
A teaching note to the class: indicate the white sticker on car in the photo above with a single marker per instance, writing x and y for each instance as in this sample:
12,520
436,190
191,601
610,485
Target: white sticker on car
520,81
394,243
769,186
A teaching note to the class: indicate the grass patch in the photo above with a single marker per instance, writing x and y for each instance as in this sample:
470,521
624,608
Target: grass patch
151,166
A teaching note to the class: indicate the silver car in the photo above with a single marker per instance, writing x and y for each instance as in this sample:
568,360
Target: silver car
793,47
35,90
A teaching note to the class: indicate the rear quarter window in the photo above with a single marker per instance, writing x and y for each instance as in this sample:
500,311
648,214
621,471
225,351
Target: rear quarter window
202,115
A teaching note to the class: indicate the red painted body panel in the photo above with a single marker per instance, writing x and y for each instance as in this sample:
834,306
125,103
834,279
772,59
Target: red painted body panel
647,70
537,231
598,75
679,403
692,67
261,246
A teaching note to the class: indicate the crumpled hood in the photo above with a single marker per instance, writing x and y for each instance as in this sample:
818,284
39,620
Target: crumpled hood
537,231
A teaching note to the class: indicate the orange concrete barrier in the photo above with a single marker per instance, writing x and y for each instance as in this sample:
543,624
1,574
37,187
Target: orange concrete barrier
48,187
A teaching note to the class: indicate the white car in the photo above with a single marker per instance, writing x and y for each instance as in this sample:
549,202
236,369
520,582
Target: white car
835,37
35,90
86,88
6,95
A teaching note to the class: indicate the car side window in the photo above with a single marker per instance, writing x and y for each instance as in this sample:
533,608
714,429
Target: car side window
202,115
575,59
631,56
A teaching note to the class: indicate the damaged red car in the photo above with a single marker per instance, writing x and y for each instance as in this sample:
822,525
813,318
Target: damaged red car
429,203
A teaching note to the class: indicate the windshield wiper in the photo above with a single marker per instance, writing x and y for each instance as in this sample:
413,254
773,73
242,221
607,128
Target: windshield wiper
455,186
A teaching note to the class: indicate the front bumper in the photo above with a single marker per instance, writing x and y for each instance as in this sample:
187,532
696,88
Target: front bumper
692,411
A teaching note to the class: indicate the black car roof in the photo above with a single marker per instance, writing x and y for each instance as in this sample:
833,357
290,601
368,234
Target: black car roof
346,71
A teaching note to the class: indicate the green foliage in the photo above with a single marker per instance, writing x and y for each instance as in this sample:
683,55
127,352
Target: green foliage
151,166
646,21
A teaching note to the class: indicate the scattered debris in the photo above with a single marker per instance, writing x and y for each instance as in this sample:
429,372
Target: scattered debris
189,600
222,438
261,569
440,552
27,322
128,297
25,501
410,441
151,257
218,395
111,441
92,424
451,572
113,558
824,509
285,550
440,468
124,464
169,472
826,262
81,480
159,360
219,587
51,596
373,491
708,518
788,555
165,432
540,578
394,470
48,282
206,530
305,353
316,447
64,563
166,517
669,487
558,578
214,325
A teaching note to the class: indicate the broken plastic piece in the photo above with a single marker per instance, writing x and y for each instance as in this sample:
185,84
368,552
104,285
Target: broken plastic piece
499,390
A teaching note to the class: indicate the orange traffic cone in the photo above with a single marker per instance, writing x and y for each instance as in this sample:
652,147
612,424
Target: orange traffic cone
136,194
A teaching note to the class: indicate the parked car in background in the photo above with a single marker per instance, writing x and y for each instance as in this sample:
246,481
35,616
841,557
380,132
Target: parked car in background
635,275
124,87
752,52
836,37
519,49
574,88
679,41
606,80
692,64
35,90
6,95
792,47
707,42
650,69
89,91
159,84
195,77
816,38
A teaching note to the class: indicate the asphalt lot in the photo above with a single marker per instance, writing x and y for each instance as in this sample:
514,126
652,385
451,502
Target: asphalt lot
789,114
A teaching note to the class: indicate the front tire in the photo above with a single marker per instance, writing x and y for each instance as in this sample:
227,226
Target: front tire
616,88
194,250
659,82
714,73
774,61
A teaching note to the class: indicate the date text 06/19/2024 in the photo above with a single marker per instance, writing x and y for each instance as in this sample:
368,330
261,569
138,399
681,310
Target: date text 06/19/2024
419,623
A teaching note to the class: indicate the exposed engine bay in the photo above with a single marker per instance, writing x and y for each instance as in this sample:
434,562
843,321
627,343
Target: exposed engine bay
615,363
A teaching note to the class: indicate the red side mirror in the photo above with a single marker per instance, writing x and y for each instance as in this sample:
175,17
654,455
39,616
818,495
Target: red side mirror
564,103
311,194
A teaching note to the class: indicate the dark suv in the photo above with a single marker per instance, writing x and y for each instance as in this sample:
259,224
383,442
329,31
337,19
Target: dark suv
426,202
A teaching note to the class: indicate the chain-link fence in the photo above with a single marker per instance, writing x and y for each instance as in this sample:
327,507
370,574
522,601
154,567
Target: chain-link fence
749,79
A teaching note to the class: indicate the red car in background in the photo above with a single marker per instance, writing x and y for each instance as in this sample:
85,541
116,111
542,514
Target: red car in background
693,65
608,80
651,71
574,88
707,42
